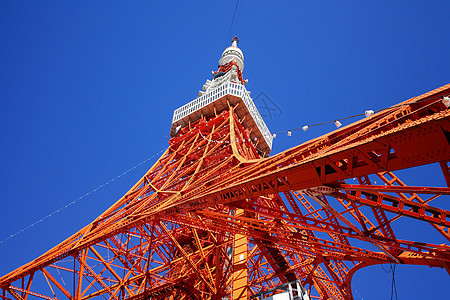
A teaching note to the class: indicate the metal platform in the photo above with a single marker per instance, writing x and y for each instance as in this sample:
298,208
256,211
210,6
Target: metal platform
288,291
215,101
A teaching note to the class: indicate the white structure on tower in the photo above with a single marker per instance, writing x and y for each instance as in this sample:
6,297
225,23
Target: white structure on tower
233,53
227,87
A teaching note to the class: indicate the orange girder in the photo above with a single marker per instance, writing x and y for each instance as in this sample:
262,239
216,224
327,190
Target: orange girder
211,207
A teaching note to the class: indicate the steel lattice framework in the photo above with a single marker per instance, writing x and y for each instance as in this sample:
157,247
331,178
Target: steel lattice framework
212,219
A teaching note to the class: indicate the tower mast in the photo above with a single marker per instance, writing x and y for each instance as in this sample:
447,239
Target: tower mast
227,89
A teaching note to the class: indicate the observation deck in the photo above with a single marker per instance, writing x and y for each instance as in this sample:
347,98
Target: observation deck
215,100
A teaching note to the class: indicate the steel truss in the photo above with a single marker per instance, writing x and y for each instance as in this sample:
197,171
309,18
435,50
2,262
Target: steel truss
211,219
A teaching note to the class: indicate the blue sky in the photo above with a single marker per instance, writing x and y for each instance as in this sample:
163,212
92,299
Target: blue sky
87,91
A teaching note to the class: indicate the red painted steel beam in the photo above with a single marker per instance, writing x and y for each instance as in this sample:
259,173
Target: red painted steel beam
393,189
401,206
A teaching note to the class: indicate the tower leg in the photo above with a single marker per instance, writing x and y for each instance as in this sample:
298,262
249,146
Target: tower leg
240,281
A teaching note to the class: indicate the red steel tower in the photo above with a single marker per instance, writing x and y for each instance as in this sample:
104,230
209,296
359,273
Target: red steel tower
216,217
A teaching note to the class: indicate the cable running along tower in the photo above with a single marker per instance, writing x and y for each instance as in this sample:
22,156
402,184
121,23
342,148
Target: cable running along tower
216,217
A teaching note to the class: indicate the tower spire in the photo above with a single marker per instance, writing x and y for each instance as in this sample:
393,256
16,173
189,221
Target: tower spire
234,41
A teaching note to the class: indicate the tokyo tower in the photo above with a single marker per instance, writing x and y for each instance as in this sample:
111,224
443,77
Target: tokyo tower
217,217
